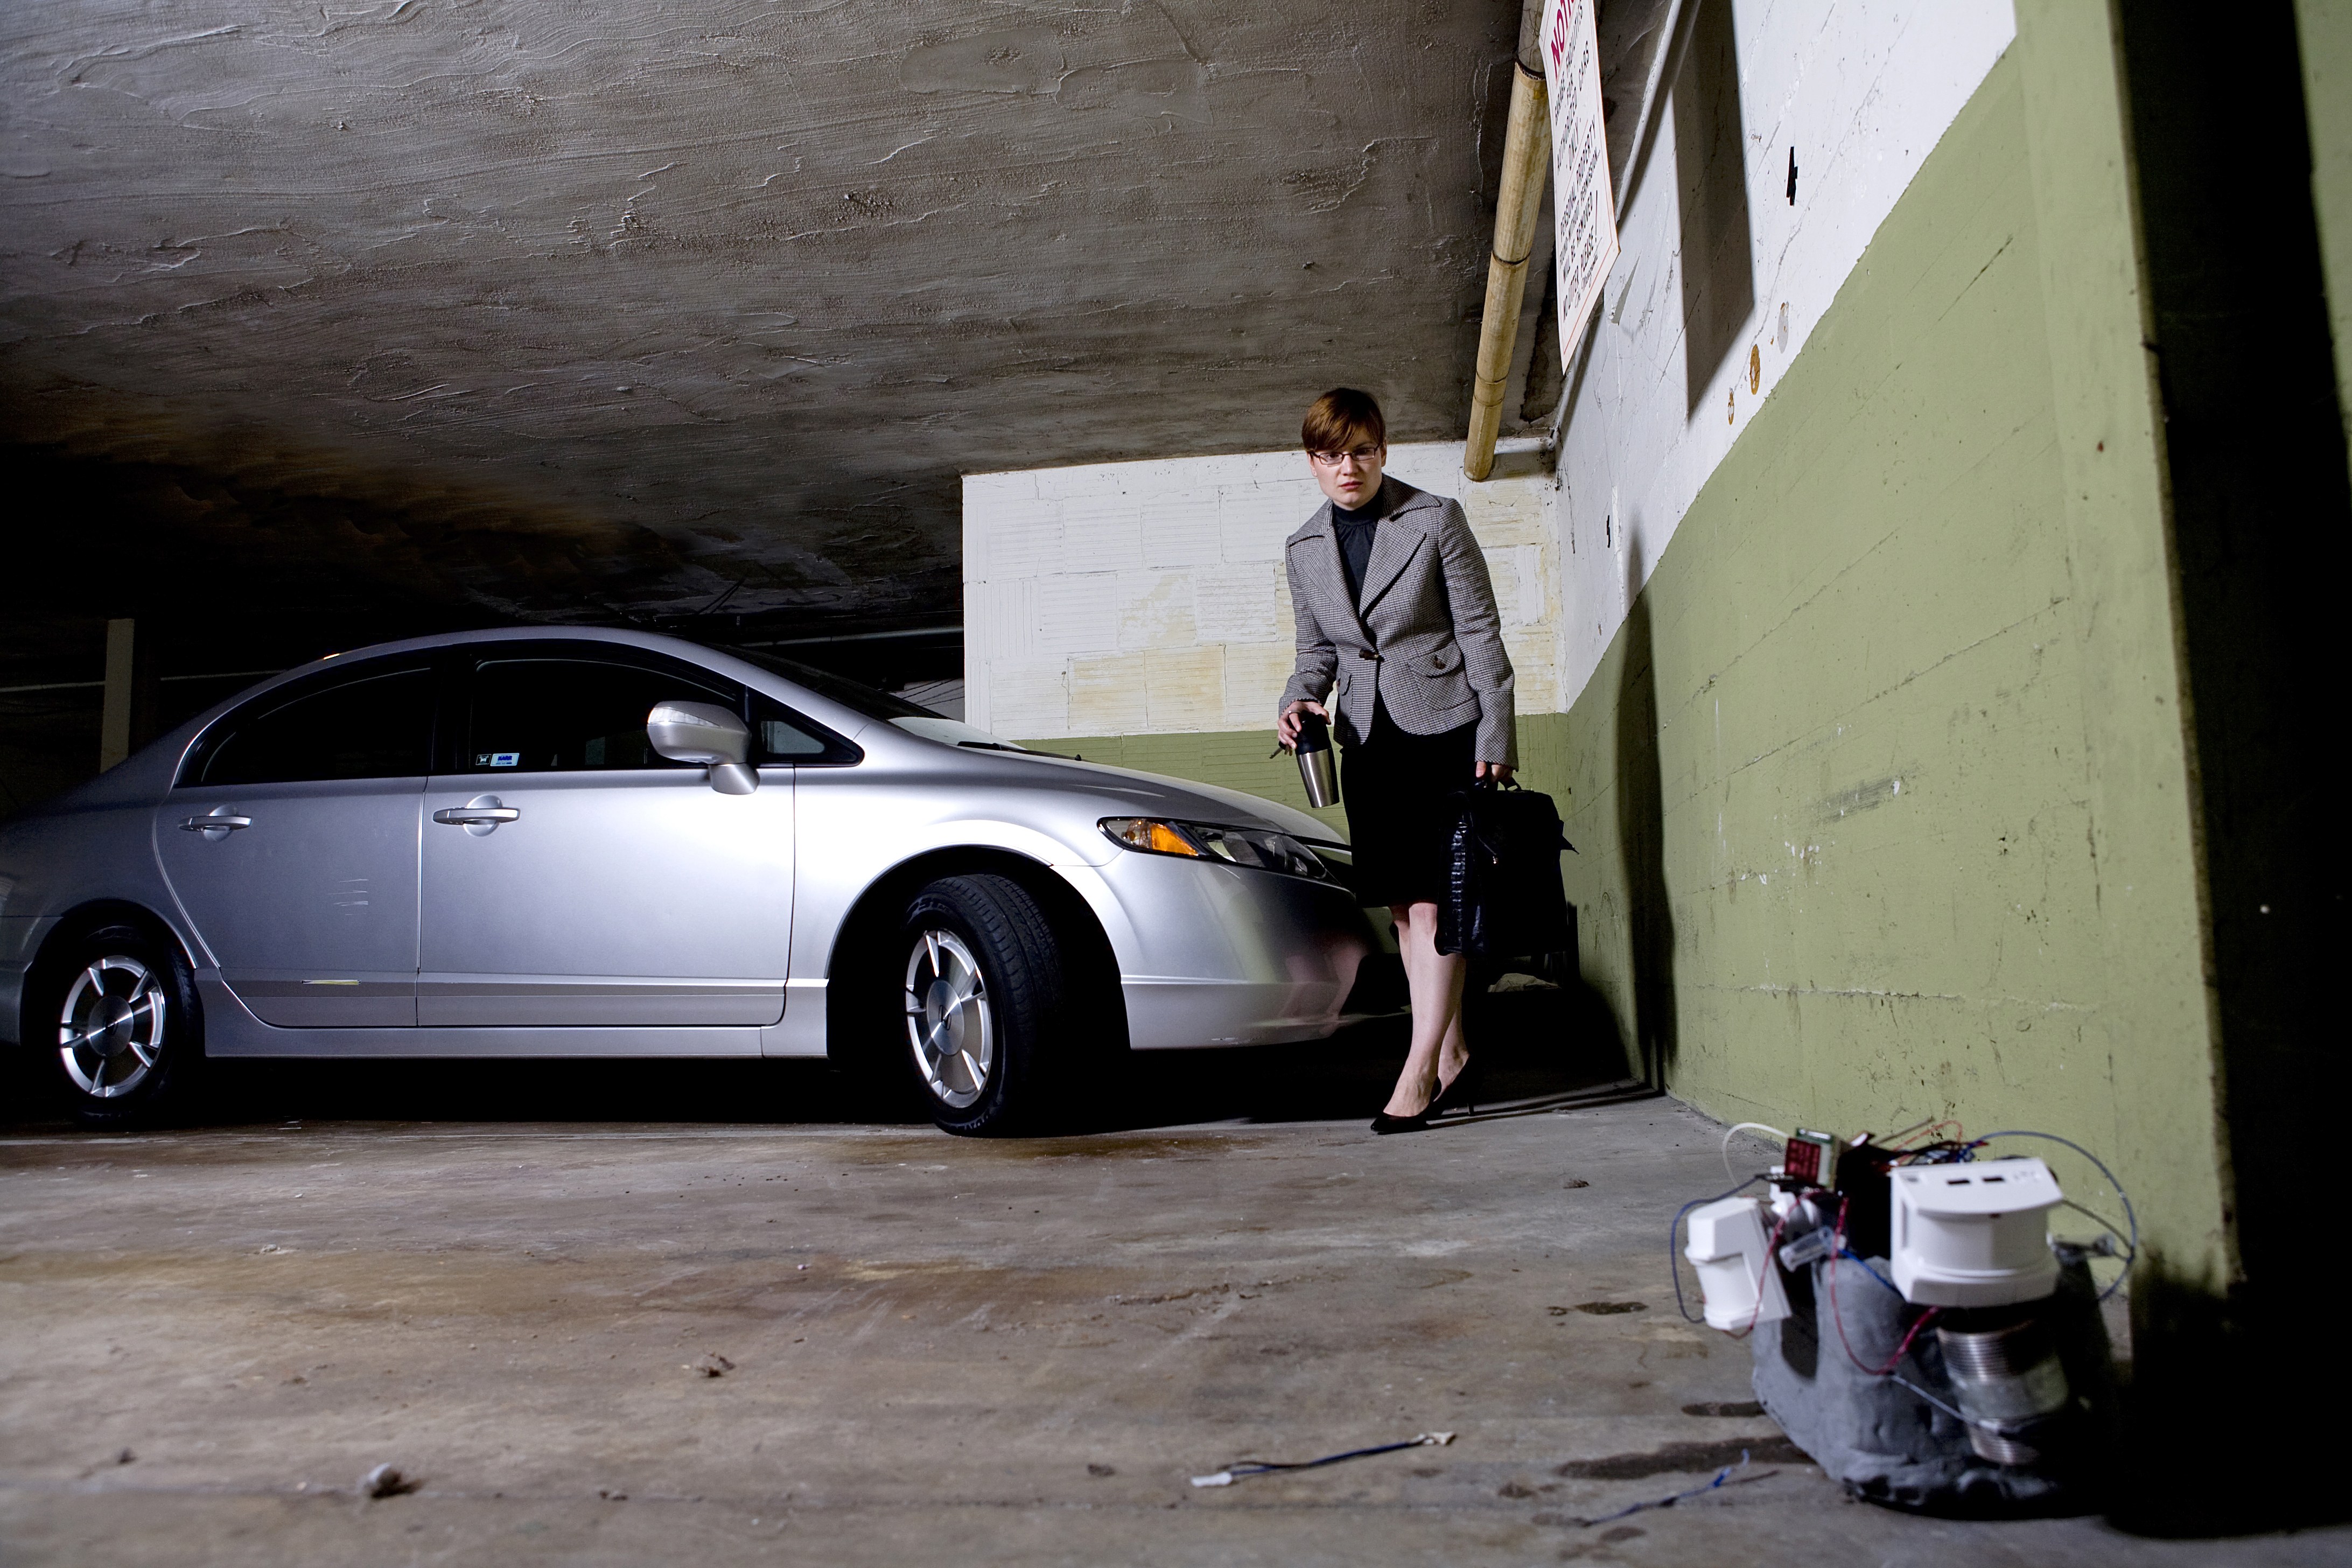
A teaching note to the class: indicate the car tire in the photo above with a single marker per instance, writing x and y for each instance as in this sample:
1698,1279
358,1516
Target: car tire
982,990
119,1027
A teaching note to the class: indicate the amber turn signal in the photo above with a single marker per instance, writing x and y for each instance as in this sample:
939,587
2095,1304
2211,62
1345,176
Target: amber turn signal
1142,833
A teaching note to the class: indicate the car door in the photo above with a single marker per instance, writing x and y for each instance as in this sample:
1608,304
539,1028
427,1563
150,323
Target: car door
290,841
574,878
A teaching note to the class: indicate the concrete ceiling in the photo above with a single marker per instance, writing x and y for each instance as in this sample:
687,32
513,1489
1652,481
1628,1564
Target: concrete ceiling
657,307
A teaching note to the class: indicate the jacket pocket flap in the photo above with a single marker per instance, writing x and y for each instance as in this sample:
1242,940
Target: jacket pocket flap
1444,661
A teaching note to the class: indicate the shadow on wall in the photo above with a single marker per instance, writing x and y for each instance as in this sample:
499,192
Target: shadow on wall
1711,159
2219,1412
2254,462
1642,837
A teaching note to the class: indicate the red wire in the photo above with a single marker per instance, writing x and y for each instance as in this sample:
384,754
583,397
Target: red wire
1928,1133
1896,1359
1837,1251
1838,1318
1757,1316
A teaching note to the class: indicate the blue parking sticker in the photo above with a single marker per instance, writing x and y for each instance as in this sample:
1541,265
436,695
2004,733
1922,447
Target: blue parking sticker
498,758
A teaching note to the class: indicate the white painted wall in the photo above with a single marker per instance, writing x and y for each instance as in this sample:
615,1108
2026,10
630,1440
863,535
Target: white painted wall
1862,90
1133,598
1142,598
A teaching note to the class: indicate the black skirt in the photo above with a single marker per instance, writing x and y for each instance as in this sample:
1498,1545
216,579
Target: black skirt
1400,790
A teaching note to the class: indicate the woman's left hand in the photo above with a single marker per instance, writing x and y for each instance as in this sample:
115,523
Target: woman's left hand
1499,771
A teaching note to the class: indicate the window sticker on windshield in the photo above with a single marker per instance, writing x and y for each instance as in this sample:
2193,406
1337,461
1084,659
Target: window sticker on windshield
498,758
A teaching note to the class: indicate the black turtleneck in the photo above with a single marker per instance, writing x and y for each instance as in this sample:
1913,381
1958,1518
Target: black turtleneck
1354,529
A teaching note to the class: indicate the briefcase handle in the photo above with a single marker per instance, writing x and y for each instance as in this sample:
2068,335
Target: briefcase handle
1513,783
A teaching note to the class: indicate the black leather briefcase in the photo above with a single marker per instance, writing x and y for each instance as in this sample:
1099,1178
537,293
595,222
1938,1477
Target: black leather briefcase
1503,897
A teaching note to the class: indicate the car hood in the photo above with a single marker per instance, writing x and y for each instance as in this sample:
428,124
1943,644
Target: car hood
1155,794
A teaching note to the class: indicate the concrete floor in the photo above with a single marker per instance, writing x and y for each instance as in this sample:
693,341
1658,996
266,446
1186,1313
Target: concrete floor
998,1352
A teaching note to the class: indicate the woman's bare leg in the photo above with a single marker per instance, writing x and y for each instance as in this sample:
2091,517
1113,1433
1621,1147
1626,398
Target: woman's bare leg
1454,1053
1434,980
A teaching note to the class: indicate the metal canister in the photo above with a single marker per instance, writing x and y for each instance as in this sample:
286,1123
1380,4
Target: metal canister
2009,1383
1315,768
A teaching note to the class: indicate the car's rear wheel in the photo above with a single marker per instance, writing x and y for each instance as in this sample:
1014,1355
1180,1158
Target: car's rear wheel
983,995
122,1036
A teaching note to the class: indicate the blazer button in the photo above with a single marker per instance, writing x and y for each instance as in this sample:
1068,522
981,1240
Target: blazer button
1366,653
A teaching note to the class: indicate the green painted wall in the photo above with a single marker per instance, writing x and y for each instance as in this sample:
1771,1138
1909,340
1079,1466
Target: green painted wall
2323,28
1882,786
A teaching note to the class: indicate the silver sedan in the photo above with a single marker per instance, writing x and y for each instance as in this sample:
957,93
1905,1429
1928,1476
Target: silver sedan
558,843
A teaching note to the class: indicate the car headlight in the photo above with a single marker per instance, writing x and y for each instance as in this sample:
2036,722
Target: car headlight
1266,851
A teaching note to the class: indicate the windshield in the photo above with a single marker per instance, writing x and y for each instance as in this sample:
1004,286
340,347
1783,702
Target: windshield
911,717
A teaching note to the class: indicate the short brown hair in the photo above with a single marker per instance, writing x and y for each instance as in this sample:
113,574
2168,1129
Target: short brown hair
1343,419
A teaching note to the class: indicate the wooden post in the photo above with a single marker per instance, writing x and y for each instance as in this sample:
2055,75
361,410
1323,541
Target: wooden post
121,693
130,716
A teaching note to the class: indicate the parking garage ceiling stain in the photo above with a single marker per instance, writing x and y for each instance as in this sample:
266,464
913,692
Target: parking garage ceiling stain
640,310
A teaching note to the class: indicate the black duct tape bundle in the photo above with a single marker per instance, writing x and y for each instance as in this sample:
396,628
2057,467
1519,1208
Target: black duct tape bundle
1895,1437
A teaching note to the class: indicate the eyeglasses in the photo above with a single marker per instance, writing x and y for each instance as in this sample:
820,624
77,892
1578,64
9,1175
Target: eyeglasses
1364,455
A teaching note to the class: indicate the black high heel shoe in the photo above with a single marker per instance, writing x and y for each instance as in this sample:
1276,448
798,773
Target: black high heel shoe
1384,1124
1454,1095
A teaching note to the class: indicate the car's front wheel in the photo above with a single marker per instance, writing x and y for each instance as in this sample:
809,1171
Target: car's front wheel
122,1036
982,994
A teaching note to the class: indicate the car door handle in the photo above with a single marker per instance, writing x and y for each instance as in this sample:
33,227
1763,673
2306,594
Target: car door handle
469,815
206,823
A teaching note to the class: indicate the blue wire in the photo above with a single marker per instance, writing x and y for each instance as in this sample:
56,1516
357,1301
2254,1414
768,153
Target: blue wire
1722,1478
1674,1252
2130,1218
1874,1274
1955,1414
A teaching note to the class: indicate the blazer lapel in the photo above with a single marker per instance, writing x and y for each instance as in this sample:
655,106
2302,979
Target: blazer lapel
1335,576
1394,544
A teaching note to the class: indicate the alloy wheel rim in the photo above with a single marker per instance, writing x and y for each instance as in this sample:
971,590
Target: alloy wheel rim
949,1022
110,1028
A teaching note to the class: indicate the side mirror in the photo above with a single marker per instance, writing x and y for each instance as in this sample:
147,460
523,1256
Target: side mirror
706,733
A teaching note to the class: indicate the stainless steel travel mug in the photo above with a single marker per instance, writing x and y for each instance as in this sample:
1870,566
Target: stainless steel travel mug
1315,761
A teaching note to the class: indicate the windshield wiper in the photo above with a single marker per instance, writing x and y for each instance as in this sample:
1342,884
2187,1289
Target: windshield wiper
1022,751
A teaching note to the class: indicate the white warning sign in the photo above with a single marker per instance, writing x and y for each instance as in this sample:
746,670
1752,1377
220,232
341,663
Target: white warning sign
1582,204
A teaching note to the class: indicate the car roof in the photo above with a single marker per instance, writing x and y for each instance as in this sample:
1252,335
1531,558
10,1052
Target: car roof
846,720
151,769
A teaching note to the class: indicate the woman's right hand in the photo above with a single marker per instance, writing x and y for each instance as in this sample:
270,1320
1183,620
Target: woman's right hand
1288,726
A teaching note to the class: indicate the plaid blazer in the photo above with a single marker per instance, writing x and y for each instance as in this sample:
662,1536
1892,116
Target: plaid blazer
1425,637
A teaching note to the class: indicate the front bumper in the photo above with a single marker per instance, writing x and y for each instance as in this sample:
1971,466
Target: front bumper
1226,955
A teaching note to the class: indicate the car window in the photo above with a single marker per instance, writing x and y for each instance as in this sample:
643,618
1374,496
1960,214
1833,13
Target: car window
777,737
573,715
911,717
858,699
374,727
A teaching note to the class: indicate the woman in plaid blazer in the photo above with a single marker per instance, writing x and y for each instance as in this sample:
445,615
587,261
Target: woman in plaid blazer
1394,609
